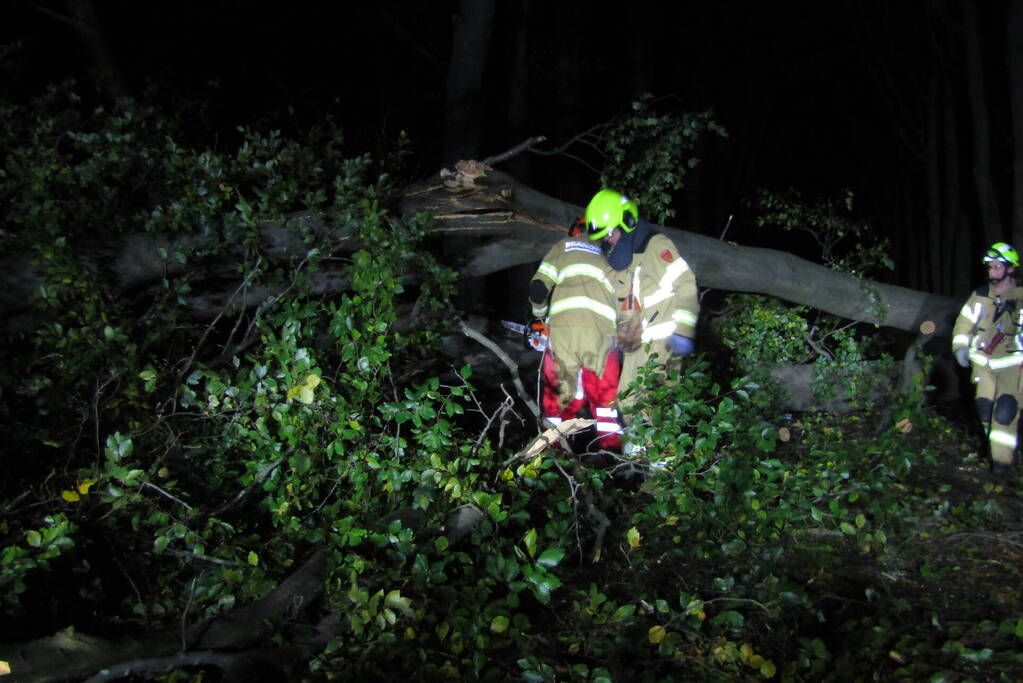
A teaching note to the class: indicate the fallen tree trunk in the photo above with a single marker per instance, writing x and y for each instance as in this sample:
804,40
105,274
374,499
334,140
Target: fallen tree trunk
68,654
519,224
509,224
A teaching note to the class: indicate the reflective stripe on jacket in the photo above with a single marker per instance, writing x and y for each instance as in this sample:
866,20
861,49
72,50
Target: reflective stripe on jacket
575,273
976,327
665,287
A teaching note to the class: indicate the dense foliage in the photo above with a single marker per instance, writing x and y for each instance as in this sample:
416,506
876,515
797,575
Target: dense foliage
178,445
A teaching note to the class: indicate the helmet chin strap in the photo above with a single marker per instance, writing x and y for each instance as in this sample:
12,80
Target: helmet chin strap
995,281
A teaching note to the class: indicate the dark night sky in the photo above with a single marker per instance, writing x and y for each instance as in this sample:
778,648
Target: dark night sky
795,83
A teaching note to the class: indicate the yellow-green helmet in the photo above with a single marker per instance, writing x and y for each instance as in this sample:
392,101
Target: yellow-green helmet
609,210
1002,252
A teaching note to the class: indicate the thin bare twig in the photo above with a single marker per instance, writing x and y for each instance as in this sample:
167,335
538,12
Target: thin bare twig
508,362
184,615
234,295
202,558
514,151
506,405
730,217
167,495
598,516
259,479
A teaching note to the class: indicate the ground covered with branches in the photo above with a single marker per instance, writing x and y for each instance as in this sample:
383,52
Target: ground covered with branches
282,455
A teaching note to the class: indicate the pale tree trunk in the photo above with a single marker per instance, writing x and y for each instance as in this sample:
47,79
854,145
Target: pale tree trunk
517,225
1014,58
990,215
463,108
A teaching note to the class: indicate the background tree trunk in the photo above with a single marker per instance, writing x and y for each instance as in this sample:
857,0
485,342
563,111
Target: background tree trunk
464,104
519,126
1014,58
90,32
990,216
955,240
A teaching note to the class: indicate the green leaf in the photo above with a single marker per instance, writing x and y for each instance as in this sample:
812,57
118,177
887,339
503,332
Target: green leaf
499,624
394,600
529,540
34,538
550,557
624,612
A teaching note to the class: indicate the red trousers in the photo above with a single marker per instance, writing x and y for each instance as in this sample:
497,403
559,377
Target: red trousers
598,393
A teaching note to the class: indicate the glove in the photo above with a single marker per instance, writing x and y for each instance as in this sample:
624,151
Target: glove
629,330
962,357
681,346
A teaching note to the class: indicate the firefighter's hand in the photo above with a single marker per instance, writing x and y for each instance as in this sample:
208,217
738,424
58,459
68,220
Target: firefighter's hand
962,357
629,331
681,346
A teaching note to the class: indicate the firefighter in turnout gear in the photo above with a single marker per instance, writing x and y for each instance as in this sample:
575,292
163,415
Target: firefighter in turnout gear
580,368
987,338
655,288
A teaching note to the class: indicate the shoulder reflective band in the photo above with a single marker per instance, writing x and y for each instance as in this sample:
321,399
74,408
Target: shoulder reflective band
585,270
666,287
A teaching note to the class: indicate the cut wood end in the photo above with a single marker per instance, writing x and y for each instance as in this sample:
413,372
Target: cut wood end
464,174
554,434
927,327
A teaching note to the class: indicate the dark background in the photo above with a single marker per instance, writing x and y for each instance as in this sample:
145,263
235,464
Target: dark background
816,96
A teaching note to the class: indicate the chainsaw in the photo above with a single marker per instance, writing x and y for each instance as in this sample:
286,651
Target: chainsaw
535,333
